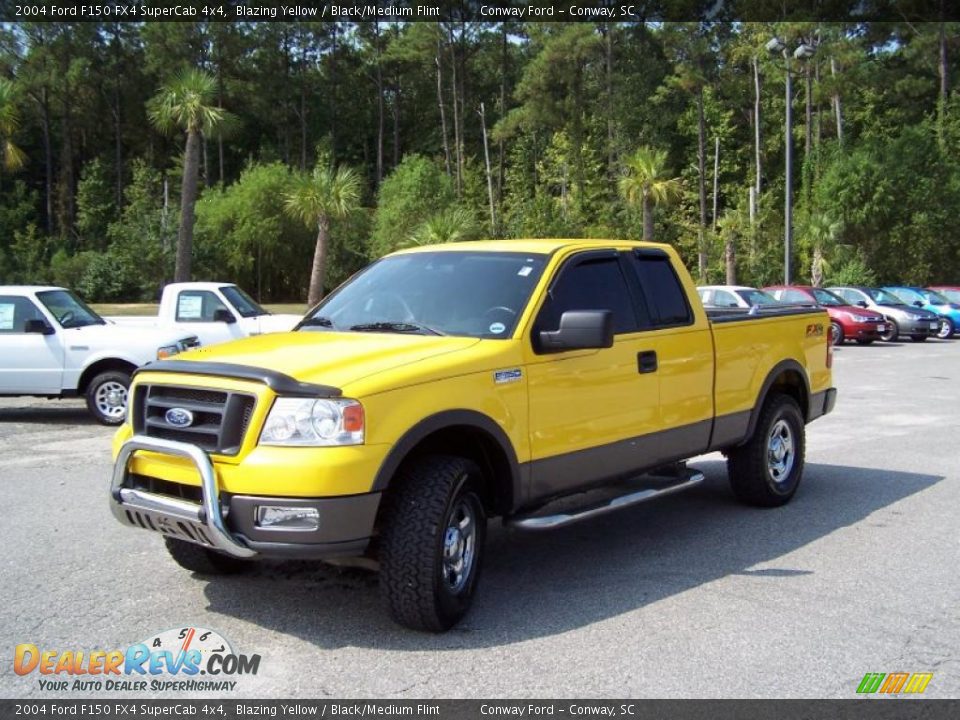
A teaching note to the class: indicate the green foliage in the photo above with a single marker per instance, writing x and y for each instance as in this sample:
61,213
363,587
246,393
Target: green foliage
450,225
244,233
186,103
415,191
95,205
853,272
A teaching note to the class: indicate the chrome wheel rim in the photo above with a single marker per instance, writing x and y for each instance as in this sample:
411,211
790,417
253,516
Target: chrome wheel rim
111,400
945,330
835,334
459,546
781,451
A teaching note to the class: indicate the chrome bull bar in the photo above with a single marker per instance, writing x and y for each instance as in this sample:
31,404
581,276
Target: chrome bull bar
201,524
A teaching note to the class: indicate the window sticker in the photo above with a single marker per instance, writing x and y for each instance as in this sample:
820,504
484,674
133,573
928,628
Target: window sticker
190,307
525,270
497,328
6,316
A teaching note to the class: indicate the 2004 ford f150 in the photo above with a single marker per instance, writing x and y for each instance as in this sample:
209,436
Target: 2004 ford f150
446,385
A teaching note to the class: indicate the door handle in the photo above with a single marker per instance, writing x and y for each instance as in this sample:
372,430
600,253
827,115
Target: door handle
647,361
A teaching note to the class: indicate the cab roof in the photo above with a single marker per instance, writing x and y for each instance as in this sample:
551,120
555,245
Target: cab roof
544,246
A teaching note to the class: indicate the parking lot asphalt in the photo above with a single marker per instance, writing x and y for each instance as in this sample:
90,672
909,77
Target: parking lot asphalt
693,595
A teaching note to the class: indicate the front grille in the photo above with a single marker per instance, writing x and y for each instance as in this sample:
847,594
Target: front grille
158,486
220,419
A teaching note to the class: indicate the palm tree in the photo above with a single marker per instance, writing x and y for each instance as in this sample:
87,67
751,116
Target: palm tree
11,157
318,198
822,233
646,184
451,225
187,103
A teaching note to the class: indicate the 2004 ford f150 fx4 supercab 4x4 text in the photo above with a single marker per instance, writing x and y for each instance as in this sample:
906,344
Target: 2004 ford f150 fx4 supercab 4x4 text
446,385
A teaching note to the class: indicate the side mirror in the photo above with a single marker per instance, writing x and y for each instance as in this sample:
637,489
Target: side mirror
918,303
579,330
861,303
225,316
38,327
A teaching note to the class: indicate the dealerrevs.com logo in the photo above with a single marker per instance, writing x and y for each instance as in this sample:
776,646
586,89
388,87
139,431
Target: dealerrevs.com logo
190,659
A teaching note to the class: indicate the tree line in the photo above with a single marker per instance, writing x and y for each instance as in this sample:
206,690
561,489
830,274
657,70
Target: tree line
285,156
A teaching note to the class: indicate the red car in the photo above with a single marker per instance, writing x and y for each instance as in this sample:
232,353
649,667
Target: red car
847,322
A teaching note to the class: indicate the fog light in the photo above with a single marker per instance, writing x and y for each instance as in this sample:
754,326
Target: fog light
277,517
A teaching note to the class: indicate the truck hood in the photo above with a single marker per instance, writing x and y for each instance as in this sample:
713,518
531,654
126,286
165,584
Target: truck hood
330,358
278,323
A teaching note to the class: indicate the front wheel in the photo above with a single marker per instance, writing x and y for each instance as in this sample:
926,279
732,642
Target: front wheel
892,332
836,334
432,542
766,470
107,397
946,329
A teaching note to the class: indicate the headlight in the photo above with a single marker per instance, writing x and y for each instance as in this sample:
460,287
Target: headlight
914,316
860,318
167,351
303,421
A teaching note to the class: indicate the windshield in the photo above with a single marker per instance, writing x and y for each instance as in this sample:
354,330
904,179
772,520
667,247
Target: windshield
909,296
474,294
951,295
69,310
758,297
935,298
245,305
883,297
827,298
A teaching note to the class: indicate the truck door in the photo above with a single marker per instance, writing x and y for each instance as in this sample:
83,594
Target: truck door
589,407
30,363
197,313
684,355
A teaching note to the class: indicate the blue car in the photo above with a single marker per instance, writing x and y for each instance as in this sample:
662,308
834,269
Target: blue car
933,301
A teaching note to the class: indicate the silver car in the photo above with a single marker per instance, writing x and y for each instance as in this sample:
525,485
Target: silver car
903,319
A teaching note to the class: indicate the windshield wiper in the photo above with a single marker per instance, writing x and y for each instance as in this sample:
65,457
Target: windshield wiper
402,327
316,322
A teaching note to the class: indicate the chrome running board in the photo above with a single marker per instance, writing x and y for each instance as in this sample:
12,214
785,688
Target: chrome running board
685,479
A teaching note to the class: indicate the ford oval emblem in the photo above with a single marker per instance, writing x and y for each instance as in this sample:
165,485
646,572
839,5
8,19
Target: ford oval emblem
178,417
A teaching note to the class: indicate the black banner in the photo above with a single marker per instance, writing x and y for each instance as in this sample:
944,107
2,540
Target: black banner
478,11
867,709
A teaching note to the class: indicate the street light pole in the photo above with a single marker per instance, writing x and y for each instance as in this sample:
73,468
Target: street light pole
803,52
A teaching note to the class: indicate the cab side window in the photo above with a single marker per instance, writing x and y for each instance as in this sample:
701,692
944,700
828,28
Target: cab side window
661,288
593,283
198,306
14,313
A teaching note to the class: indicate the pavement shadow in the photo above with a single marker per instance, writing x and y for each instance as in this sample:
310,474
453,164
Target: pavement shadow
55,414
546,583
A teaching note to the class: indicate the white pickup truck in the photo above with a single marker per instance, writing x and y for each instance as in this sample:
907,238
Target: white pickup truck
214,312
52,345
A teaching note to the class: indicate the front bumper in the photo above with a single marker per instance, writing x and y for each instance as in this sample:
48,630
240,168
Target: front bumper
226,523
920,327
864,331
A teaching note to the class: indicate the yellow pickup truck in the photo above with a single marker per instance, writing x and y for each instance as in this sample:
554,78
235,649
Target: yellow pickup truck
538,381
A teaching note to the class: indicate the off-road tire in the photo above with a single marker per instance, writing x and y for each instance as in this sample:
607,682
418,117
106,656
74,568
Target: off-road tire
422,499
749,465
106,379
198,559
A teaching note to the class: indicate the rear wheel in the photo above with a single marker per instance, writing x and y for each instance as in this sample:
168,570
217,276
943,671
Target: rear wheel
432,542
836,333
946,329
766,470
107,397
892,332
198,559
